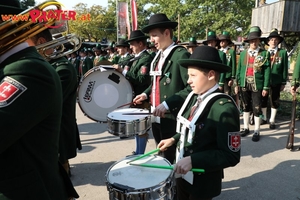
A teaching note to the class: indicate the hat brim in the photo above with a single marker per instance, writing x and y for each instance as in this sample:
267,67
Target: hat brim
138,38
204,64
206,41
169,24
4,10
266,40
229,41
192,45
252,38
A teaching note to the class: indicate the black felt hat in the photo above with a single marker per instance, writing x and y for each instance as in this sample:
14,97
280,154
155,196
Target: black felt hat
205,57
254,33
211,36
159,21
122,43
98,47
10,7
225,36
137,35
274,33
192,42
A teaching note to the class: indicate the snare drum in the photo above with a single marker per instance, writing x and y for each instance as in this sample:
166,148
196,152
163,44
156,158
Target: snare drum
130,182
128,125
102,91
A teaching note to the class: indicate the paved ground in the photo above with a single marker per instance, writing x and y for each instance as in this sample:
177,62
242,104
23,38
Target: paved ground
267,170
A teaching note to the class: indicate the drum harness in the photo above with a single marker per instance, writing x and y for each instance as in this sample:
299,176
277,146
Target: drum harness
183,125
155,73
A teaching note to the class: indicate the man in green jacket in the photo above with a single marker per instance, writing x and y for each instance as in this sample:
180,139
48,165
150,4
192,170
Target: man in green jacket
296,76
279,74
253,78
208,127
30,112
226,79
138,76
69,135
169,87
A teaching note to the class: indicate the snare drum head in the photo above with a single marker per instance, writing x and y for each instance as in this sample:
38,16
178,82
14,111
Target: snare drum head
102,91
120,114
136,177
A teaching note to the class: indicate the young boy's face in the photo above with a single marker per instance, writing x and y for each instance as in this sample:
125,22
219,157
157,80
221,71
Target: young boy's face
158,38
199,81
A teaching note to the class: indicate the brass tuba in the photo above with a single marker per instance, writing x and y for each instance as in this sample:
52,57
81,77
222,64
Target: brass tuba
58,46
14,32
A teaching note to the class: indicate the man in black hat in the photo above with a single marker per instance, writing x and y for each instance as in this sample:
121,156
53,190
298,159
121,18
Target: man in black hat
279,74
85,63
226,79
30,112
169,86
69,140
253,78
113,56
100,56
125,57
207,117
192,45
138,76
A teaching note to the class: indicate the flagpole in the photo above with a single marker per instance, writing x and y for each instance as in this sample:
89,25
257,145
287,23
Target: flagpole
117,16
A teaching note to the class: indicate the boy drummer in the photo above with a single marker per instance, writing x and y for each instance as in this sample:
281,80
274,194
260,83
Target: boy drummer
208,132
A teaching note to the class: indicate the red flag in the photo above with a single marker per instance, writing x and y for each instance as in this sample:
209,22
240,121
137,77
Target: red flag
134,15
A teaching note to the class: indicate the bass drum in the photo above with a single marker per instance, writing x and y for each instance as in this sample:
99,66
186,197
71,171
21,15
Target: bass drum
101,91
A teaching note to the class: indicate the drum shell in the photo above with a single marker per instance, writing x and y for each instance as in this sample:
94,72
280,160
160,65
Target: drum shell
126,128
163,190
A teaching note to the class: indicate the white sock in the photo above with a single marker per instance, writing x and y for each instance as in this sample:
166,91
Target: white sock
264,112
257,123
273,114
246,117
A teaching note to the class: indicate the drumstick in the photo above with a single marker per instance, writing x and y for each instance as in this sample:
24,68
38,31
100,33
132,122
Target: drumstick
144,155
165,167
127,104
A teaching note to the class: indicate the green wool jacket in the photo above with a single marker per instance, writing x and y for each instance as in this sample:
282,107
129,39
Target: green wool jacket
212,148
68,132
86,66
296,73
138,75
30,123
114,59
279,68
261,77
125,61
231,62
175,92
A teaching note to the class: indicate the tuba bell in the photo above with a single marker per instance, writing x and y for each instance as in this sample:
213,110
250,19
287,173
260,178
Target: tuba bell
14,32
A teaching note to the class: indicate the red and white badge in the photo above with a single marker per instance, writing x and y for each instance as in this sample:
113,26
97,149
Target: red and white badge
10,90
144,70
234,141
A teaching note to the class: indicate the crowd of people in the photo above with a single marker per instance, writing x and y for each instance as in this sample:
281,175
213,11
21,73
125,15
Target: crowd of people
188,89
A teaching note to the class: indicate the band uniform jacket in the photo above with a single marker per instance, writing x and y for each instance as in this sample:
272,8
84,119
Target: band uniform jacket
212,148
231,62
114,59
87,64
123,61
138,74
98,59
75,62
69,134
296,73
279,67
173,86
30,122
261,75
